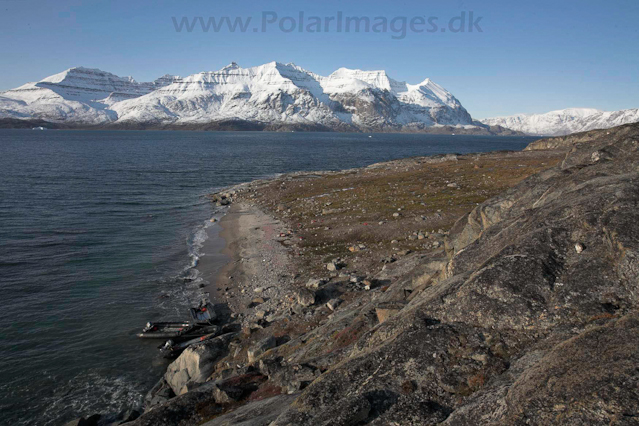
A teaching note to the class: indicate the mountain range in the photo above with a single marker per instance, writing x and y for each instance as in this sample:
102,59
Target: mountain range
565,121
273,96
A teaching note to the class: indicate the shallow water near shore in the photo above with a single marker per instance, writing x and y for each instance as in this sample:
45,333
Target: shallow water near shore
103,231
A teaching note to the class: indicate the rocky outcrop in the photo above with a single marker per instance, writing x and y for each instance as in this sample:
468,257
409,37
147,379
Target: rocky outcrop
196,364
522,327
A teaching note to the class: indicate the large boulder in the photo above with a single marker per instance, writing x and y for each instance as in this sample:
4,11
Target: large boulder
196,364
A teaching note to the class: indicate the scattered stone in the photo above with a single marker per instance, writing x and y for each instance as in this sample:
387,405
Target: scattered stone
579,248
305,297
315,283
483,358
334,265
333,304
396,214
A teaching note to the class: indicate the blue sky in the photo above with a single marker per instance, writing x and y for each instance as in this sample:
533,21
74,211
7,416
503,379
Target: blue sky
530,56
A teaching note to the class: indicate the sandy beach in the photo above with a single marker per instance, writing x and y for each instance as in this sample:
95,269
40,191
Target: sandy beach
255,266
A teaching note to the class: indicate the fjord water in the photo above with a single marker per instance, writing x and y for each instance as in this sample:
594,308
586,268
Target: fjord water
98,231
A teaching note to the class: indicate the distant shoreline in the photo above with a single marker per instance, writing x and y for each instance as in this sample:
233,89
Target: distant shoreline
246,126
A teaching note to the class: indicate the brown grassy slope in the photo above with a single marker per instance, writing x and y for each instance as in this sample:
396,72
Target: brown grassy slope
330,212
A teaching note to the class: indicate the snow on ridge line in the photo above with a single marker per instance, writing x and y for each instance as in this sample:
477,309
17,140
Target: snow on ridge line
565,121
270,93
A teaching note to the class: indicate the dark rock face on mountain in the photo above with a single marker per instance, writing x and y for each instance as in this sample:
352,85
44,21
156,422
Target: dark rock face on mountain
533,321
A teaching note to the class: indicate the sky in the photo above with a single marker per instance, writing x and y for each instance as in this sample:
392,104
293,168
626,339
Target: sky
520,57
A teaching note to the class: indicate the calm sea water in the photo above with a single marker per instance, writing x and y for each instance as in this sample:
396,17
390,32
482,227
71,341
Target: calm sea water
98,231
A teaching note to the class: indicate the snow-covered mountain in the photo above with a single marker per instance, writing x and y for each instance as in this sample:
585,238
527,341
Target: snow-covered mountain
565,121
271,96
75,96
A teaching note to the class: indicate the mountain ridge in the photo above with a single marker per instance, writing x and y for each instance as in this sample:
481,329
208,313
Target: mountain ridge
565,121
270,96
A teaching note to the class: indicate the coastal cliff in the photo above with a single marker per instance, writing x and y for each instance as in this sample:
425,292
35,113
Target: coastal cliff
493,289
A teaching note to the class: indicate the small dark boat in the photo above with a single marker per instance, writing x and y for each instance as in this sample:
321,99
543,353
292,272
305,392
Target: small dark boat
170,349
165,330
176,330
202,317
